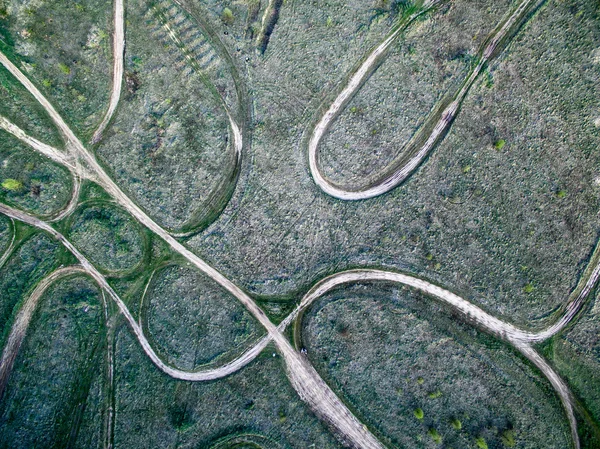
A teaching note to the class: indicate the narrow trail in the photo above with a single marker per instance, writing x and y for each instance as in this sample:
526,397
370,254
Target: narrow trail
268,22
72,203
23,319
50,152
421,144
559,386
118,68
9,249
109,376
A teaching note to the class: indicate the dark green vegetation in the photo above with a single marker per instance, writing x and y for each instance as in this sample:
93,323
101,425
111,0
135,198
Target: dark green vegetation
504,212
109,237
30,181
418,378
21,108
33,258
49,400
193,322
6,234
156,411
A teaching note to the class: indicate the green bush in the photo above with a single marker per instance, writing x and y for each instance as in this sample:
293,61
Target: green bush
64,68
435,435
419,413
12,184
227,16
456,424
481,444
434,394
508,438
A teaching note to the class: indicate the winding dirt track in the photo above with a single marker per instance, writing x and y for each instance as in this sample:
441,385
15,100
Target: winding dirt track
414,152
559,385
304,378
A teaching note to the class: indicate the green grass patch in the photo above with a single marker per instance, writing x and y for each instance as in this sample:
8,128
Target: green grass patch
481,443
528,288
12,184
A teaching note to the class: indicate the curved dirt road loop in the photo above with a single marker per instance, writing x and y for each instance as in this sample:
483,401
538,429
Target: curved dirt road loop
118,56
415,151
519,339
21,324
471,312
303,377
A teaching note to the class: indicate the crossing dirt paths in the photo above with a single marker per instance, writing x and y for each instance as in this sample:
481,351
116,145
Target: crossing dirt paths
302,375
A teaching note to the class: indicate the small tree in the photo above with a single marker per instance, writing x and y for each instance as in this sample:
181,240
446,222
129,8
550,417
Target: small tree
227,16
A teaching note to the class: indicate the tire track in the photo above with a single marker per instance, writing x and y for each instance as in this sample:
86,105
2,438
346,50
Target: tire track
118,68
